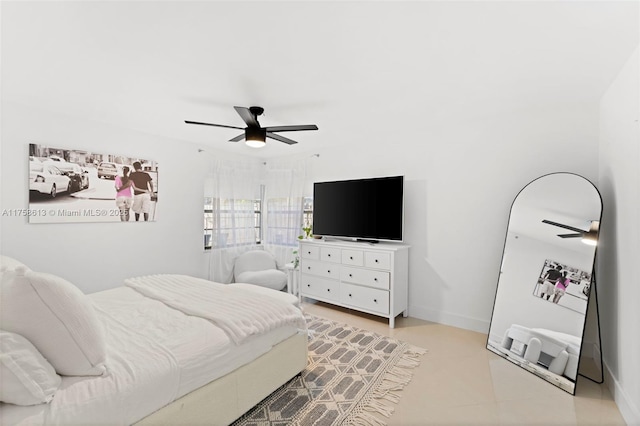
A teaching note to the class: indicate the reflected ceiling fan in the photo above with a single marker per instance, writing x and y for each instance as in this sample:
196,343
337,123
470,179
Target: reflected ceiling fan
588,237
254,134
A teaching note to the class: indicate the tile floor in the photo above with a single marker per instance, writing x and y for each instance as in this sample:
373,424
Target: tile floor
460,382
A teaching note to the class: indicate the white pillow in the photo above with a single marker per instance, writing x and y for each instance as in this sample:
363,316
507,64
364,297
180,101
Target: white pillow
27,378
271,278
9,263
57,318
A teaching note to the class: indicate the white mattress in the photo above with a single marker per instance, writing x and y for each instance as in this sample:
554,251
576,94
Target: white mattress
155,355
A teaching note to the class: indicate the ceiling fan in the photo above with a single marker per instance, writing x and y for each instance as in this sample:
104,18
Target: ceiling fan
588,237
254,134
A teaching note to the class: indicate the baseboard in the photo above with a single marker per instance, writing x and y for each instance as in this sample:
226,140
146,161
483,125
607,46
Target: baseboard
467,323
629,410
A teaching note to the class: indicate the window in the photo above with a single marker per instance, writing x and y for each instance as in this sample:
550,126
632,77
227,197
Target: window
230,223
283,221
307,211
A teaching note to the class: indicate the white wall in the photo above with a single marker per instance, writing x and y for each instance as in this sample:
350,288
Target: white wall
96,256
619,251
460,181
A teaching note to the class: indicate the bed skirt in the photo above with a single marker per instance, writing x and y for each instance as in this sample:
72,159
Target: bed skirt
227,398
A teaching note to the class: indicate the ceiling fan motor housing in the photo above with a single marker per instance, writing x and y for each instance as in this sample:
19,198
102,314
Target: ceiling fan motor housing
255,133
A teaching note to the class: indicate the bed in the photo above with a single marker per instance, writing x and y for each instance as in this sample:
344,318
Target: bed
168,360
559,352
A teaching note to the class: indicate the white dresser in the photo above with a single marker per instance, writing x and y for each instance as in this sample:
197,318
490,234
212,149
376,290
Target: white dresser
367,277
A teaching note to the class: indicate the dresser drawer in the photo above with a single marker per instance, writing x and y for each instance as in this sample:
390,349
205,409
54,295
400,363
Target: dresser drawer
370,299
352,257
377,260
330,254
309,252
319,287
320,269
367,277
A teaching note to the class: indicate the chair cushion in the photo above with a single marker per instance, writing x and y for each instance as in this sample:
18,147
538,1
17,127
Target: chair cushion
254,260
27,378
271,278
57,318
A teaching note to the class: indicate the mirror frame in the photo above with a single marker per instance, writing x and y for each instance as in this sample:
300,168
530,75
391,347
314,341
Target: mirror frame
592,291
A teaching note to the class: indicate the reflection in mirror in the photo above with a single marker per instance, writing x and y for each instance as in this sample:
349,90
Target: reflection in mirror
546,276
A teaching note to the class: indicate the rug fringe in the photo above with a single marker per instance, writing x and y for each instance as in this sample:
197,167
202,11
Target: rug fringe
367,419
386,394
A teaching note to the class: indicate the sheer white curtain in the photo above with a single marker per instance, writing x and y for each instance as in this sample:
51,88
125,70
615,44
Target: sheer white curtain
230,192
283,207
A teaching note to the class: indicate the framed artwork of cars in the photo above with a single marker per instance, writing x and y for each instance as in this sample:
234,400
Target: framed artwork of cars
73,185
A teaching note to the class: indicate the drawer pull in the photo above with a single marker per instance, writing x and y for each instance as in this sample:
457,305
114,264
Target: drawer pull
308,285
351,257
329,290
308,252
375,279
328,271
309,267
350,275
376,260
375,300
329,255
349,294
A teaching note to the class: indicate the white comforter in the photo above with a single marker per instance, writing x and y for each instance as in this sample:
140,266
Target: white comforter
240,313
155,354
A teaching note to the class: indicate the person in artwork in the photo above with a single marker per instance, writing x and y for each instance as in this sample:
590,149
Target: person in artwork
124,194
142,191
550,278
561,287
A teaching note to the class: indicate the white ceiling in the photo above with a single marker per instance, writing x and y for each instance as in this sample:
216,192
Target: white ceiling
359,70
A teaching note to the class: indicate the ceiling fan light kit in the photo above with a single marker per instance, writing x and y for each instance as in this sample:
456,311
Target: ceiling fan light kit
254,134
255,137
591,236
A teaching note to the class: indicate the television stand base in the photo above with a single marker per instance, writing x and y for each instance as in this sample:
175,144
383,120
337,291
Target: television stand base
364,240
347,240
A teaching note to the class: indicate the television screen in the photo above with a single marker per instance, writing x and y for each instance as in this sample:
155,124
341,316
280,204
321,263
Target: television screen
368,209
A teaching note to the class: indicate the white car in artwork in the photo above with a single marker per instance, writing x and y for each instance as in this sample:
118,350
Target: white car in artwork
47,179
79,176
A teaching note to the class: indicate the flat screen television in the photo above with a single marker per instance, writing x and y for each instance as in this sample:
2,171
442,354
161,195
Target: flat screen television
362,209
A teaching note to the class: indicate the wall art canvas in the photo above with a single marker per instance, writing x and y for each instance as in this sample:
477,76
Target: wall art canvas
74,185
571,292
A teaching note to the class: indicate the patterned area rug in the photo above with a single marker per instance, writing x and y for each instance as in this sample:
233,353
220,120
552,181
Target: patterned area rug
351,375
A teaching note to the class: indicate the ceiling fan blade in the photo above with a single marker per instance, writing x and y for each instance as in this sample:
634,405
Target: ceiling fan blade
570,235
211,124
280,138
237,138
291,128
570,228
247,116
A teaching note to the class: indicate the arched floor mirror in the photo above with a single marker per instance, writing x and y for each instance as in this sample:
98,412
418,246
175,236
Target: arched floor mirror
545,280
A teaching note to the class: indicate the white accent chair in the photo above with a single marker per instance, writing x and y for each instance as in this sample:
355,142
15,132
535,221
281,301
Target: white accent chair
259,267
